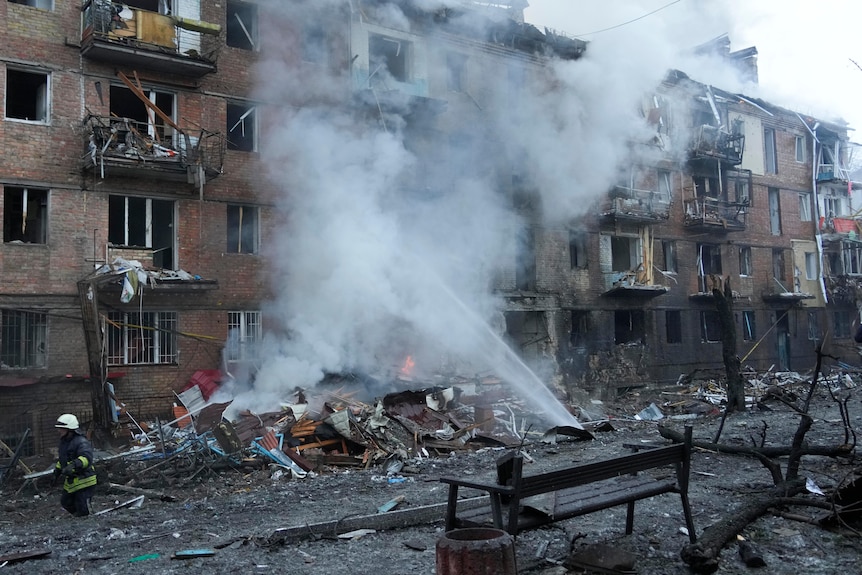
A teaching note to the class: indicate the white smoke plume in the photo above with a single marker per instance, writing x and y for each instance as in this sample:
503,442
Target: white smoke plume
368,267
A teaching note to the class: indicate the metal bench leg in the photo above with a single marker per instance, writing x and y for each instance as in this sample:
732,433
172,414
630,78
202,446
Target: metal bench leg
451,507
689,522
630,518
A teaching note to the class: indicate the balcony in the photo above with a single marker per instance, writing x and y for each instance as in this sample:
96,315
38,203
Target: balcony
124,147
119,35
710,215
628,204
635,283
711,142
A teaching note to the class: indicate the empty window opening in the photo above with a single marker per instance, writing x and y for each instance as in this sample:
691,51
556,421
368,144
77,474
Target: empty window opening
745,266
770,158
813,326
710,326
708,187
244,332
625,253
242,230
525,264
850,262
800,149
629,326
42,4
25,215
664,185
27,95
578,249
833,204
125,104
805,207
314,47
141,338
241,127
241,25
810,265
841,323
143,222
742,191
669,250
775,211
23,339
709,256
673,326
388,54
580,328
455,65
778,265
749,329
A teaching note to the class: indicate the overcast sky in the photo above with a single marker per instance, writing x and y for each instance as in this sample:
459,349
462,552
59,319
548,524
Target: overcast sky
805,48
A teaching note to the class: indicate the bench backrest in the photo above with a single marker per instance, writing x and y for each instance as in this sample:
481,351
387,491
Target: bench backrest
510,469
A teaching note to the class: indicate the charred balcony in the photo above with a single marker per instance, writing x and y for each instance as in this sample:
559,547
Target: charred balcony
708,214
633,205
117,34
125,147
714,143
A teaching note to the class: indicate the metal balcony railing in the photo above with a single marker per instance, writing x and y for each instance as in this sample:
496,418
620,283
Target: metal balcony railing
631,203
713,142
707,212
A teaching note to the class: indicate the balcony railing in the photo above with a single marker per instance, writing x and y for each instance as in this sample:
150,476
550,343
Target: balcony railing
712,214
638,205
117,34
713,142
128,147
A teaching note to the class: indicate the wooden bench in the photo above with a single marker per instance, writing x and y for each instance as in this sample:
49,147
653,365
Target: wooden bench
519,502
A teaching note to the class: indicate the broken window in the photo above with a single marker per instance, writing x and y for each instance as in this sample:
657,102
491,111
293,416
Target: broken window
805,207
141,338
664,185
242,229
851,259
810,266
813,326
629,326
27,95
578,249
800,149
42,4
580,328
745,267
710,259
669,249
841,323
23,339
775,211
126,104
143,222
742,191
749,329
241,127
389,54
244,332
525,264
770,158
673,326
241,25
778,264
710,326
455,64
833,204
314,47
25,215
625,253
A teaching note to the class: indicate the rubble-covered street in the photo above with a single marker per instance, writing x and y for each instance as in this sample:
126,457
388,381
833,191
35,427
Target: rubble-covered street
170,512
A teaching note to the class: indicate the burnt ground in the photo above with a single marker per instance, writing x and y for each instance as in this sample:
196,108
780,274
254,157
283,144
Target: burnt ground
237,513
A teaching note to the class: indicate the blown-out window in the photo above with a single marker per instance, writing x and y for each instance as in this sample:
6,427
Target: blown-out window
141,337
241,127
242,230
27,95
244,331
25,215
23,339
241,28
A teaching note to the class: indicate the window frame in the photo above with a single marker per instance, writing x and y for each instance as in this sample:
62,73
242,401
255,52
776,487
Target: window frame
749,325
237,246
123,328
709,324
31,333
669,256
242,143
249,40
770,154
243,346
800,149
673,327
746,267
14,216
805,214
44,107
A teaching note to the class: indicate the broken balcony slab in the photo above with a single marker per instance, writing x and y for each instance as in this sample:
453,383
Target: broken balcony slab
636,291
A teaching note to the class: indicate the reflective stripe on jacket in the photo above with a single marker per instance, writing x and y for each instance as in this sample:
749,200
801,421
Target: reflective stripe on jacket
78,451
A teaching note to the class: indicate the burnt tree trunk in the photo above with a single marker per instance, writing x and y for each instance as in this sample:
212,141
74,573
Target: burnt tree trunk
735,385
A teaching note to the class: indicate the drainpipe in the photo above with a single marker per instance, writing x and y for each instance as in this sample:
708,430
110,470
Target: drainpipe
817,237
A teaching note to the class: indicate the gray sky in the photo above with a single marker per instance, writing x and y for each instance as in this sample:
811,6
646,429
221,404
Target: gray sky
805,48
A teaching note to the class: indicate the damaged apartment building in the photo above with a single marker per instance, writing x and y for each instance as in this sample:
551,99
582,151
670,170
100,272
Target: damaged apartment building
135,221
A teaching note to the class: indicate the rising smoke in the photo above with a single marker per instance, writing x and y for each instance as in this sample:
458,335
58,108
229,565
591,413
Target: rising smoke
388,248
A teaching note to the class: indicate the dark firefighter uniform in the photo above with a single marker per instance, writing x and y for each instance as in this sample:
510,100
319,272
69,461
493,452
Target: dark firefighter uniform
75,464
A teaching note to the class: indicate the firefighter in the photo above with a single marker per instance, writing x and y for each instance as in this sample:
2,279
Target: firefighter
75,465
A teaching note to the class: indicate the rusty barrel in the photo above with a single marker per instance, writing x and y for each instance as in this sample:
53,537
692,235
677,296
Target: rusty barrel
476,551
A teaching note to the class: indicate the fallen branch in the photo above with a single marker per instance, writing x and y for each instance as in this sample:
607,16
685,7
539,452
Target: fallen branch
140,491
775,451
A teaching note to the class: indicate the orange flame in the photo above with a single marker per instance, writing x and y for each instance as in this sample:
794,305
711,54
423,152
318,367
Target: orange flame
408,366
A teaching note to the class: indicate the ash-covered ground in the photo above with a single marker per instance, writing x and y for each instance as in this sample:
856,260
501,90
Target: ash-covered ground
238,514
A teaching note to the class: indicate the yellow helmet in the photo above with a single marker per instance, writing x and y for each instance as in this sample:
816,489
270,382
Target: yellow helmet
67,421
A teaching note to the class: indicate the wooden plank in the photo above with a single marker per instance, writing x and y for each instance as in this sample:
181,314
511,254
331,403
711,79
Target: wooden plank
24,556
143,97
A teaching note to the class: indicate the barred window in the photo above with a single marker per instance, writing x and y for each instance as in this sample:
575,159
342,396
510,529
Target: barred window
141,338
23,339
244,330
